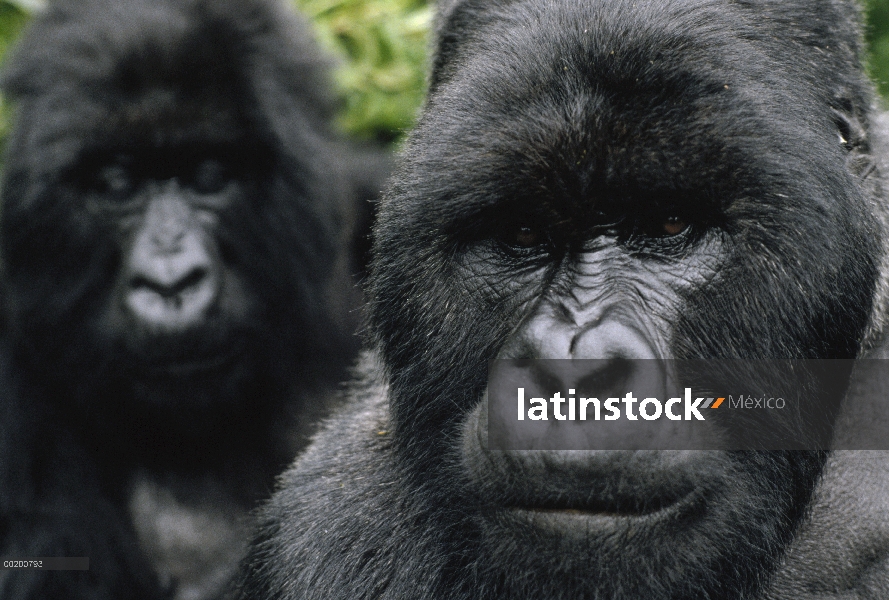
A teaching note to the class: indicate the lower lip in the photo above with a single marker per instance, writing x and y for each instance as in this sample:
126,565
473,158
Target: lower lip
199,366
567,518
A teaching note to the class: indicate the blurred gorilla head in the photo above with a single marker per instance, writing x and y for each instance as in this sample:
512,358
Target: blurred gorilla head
176,278
176,217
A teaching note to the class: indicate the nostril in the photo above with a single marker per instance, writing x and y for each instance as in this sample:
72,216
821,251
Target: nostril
165,299
597,376
174,290
608,376
143,283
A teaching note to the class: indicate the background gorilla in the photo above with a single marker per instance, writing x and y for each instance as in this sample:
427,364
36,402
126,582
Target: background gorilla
610,180
178,296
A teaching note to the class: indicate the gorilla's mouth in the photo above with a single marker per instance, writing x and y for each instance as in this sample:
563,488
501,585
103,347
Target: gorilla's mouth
195,366
599,522
606,516
589,490
636,506
603,495
184,361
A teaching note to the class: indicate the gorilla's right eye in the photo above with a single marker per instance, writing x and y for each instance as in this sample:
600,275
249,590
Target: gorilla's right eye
521,236
518,234
525,236
114,180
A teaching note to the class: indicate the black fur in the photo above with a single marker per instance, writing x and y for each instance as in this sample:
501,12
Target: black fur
109,423
753,117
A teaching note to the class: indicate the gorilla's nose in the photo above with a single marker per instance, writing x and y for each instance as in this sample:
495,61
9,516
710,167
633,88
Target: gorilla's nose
171,287
606,377
601,377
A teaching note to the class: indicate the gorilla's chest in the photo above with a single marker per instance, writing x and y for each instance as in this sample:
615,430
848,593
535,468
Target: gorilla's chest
194,542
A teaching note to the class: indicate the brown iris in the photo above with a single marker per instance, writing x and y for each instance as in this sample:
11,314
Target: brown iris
674,225
526,236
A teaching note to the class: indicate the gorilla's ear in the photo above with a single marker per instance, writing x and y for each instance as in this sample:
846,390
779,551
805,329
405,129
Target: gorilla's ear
851,124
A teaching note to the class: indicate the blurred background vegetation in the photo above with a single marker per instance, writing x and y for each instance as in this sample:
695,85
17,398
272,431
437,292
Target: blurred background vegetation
382,46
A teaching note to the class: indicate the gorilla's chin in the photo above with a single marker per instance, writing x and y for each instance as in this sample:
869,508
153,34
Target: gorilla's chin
593,522
594,552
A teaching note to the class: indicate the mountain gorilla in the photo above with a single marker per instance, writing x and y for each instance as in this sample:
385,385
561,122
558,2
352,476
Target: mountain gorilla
178,292
612,180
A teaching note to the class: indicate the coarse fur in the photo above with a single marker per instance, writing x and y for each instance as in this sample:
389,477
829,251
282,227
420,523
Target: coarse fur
755,119
841,551
138,424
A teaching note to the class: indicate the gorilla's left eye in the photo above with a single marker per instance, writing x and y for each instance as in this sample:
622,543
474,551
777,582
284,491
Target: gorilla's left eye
673,225
660,227
210,176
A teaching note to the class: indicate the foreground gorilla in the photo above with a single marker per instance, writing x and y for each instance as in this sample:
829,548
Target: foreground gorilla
612,180
178,292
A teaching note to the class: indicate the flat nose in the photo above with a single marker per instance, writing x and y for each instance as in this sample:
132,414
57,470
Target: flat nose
601,378
172,277
600,355
177,283
606,377
609,334
172,290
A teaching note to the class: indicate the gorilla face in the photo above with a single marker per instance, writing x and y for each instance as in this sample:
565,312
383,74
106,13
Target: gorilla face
177,298
179,301
613,181
174,236
161,181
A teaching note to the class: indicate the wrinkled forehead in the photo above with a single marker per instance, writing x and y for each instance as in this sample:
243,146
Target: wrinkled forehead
626,88
717,40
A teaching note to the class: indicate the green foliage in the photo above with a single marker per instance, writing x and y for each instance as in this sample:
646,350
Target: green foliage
13,18
382,45
382,48
878,41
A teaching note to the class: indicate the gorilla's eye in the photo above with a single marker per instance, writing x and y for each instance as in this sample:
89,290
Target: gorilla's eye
115,180
674,225
521,237
210,176
525,236
660,229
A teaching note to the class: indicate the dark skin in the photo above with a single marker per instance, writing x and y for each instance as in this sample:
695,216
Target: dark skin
593,180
